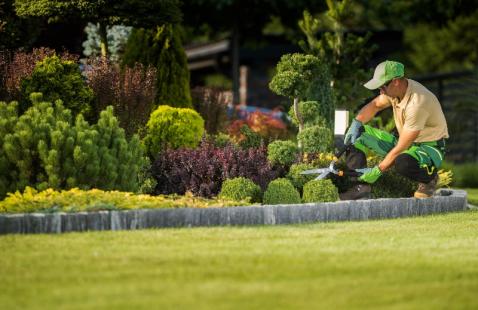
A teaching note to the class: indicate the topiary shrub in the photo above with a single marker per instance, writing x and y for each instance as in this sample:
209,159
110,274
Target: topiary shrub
320,191
281,191
282,152
170,127
58,79
316,139
240,189
312,114
45,148
297,179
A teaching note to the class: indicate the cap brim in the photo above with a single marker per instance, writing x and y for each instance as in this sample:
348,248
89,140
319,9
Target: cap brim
373,84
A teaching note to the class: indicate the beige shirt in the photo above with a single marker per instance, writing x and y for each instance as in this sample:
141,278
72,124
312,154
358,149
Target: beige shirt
420,110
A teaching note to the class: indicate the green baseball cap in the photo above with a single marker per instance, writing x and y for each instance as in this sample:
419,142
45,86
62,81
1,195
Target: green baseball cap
384,72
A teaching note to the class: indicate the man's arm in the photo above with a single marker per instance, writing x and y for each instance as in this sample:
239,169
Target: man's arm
372,108
404,142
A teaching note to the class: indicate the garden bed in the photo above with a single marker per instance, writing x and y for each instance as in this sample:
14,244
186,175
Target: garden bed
445,201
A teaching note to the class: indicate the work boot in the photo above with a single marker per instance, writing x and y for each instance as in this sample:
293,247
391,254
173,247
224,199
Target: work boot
358,191
426,190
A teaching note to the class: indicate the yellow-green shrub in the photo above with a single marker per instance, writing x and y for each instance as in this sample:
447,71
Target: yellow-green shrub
92,200
170,127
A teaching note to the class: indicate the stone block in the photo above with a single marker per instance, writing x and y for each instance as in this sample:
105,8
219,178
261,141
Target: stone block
269,215
15,223
35,223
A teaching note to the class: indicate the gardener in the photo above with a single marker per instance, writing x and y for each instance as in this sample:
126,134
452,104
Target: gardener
418,151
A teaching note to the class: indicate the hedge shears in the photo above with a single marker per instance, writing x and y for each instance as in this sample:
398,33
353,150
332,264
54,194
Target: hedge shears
324,172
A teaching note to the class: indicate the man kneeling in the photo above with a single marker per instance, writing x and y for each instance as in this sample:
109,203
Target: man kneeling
418,151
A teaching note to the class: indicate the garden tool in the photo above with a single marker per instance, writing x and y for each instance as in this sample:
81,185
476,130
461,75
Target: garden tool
324,172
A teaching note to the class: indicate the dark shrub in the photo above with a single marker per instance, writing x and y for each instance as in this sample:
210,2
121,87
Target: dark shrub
19,65
204,169
211,104
130,91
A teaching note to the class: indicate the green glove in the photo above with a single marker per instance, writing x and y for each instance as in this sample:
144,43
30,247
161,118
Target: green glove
369,175
353,132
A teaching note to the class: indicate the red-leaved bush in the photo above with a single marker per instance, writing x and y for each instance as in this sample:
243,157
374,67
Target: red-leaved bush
268,127
130,91
19,65
203,170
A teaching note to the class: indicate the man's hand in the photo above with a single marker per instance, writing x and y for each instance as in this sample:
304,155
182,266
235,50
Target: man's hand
353,132
369,175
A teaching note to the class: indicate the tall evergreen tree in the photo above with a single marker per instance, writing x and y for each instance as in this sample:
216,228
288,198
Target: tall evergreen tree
327,38
162,47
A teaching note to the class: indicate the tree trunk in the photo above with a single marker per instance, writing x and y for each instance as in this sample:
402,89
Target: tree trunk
104,40
298,114
300,120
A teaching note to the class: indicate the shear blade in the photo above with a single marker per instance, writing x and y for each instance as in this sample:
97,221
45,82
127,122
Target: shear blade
312,171
323,175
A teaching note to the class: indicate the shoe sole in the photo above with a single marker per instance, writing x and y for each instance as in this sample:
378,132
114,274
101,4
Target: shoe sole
421,195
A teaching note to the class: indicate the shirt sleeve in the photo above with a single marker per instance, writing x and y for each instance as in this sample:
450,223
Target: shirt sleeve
416,117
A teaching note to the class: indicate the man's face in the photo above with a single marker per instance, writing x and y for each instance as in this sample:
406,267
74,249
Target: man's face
387,88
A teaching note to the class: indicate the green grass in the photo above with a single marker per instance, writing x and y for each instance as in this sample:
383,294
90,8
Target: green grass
415,263
472,195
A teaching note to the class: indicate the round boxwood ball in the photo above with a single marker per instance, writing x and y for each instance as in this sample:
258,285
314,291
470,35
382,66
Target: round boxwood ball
281,191
320,191
240,189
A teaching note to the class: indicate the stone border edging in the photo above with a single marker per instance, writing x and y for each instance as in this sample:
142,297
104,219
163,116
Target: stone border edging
361,210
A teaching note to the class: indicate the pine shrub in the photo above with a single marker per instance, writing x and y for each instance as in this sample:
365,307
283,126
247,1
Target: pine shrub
282,152
45,148
203,170
173,128
58,79
281,191
240,189
316,139
320,191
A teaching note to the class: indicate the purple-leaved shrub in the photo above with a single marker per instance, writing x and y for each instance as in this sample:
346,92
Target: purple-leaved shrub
203,170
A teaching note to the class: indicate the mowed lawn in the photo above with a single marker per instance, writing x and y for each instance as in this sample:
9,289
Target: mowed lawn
415,263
